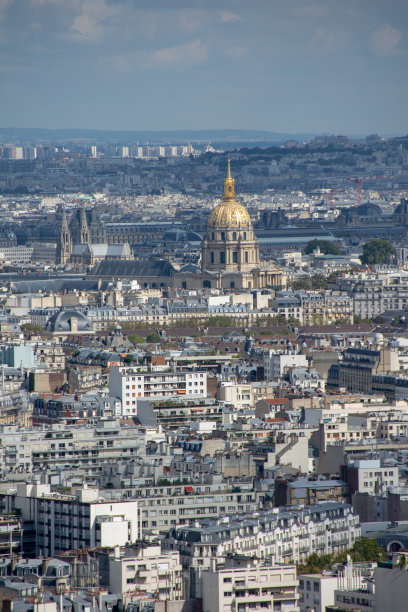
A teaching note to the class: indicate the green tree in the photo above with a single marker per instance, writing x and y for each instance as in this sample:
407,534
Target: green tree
136,339
377,251
30,327
153,338
293,322
220,321
301,284
128,359
326,247
364,549
310,283
360,321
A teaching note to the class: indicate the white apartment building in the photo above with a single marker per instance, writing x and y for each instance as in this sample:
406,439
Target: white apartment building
280,535
70,446
21,254
316,591
172,506
129,385
380,291
70,522
237,394
250,588
277,363
369,476
148,570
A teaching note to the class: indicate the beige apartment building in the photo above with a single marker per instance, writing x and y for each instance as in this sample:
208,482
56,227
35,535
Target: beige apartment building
148,570
250,588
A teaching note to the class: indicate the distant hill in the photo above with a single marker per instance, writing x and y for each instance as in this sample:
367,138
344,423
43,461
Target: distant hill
235,137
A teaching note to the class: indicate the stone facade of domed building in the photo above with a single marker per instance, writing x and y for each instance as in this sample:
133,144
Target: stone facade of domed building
230,251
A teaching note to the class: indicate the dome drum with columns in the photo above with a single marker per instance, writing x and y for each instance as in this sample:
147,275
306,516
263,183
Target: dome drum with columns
230,251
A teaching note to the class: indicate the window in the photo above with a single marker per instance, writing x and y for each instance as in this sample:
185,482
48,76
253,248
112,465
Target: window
246,256
234,235
212,257
222,257
222,235
235,257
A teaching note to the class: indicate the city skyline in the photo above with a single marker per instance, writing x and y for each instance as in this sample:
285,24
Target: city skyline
290,67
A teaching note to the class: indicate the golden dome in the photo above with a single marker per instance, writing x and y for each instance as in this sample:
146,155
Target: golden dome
232,215
229,214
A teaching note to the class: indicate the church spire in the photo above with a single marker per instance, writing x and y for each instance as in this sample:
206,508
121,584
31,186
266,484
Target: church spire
64,245
83,230
64,222
229,186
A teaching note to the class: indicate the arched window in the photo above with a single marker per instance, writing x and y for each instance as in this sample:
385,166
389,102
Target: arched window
234,235
207,284
246,256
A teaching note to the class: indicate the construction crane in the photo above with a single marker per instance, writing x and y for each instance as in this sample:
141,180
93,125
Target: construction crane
358,180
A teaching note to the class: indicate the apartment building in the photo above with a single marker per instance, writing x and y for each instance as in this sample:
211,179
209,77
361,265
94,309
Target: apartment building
74,409
281,535
309,491
164,507
11,535
255,587
288,305
326,307
67,522
316,591
178,411
237,394
50,356
376,292
70,446
129,385
356,371
277,363
391,584
145,569
369,476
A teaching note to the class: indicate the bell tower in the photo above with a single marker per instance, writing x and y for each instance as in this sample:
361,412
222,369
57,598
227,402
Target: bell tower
64,246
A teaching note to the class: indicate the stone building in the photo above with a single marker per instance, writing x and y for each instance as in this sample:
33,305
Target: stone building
230,251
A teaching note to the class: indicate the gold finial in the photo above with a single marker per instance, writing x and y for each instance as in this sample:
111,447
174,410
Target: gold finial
229,189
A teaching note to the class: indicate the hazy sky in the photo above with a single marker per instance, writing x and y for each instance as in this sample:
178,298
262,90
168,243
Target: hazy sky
338,66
